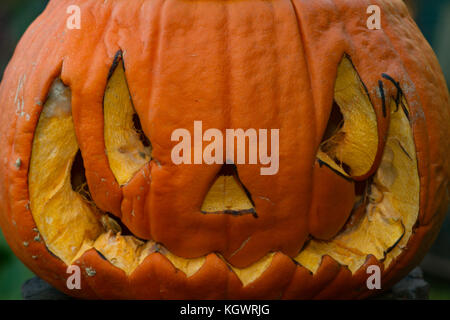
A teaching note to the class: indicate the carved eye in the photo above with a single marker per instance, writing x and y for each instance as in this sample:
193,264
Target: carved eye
127,147
351,141
65,219
353,218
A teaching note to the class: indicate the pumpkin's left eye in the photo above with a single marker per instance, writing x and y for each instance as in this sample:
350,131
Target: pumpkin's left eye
127,147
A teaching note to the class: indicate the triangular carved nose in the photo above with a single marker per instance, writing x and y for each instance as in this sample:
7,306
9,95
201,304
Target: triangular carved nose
228,195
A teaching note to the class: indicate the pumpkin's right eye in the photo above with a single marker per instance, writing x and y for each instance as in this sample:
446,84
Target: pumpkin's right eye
351,141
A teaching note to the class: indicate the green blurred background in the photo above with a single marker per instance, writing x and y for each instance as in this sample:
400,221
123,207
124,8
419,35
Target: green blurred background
433,18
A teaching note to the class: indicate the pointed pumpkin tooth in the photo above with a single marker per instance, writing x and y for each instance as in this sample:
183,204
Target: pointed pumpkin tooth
188,266
253,272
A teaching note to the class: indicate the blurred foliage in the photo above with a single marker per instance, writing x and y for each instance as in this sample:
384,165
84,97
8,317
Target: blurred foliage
12,273
15,17
440,288
433,17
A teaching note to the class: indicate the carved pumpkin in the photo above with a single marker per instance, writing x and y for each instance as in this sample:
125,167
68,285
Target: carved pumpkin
85,140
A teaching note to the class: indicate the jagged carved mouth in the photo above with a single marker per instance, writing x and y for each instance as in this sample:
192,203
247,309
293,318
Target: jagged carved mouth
374,213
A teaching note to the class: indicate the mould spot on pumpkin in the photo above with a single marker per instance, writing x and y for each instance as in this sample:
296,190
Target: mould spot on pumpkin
157,163
38,102
18,163
26,244
228,195
90,271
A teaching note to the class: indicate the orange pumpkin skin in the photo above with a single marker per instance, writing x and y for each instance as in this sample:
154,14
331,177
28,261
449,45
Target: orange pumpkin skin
264,64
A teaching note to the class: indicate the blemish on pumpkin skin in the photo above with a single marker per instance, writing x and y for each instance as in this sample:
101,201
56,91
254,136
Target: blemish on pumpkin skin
90,272
241,247
38,102
26,244
267,199
157,163
18,100
37,237
18,163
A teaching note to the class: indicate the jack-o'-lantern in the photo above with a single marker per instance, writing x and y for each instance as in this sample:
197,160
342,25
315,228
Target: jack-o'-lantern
85,141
